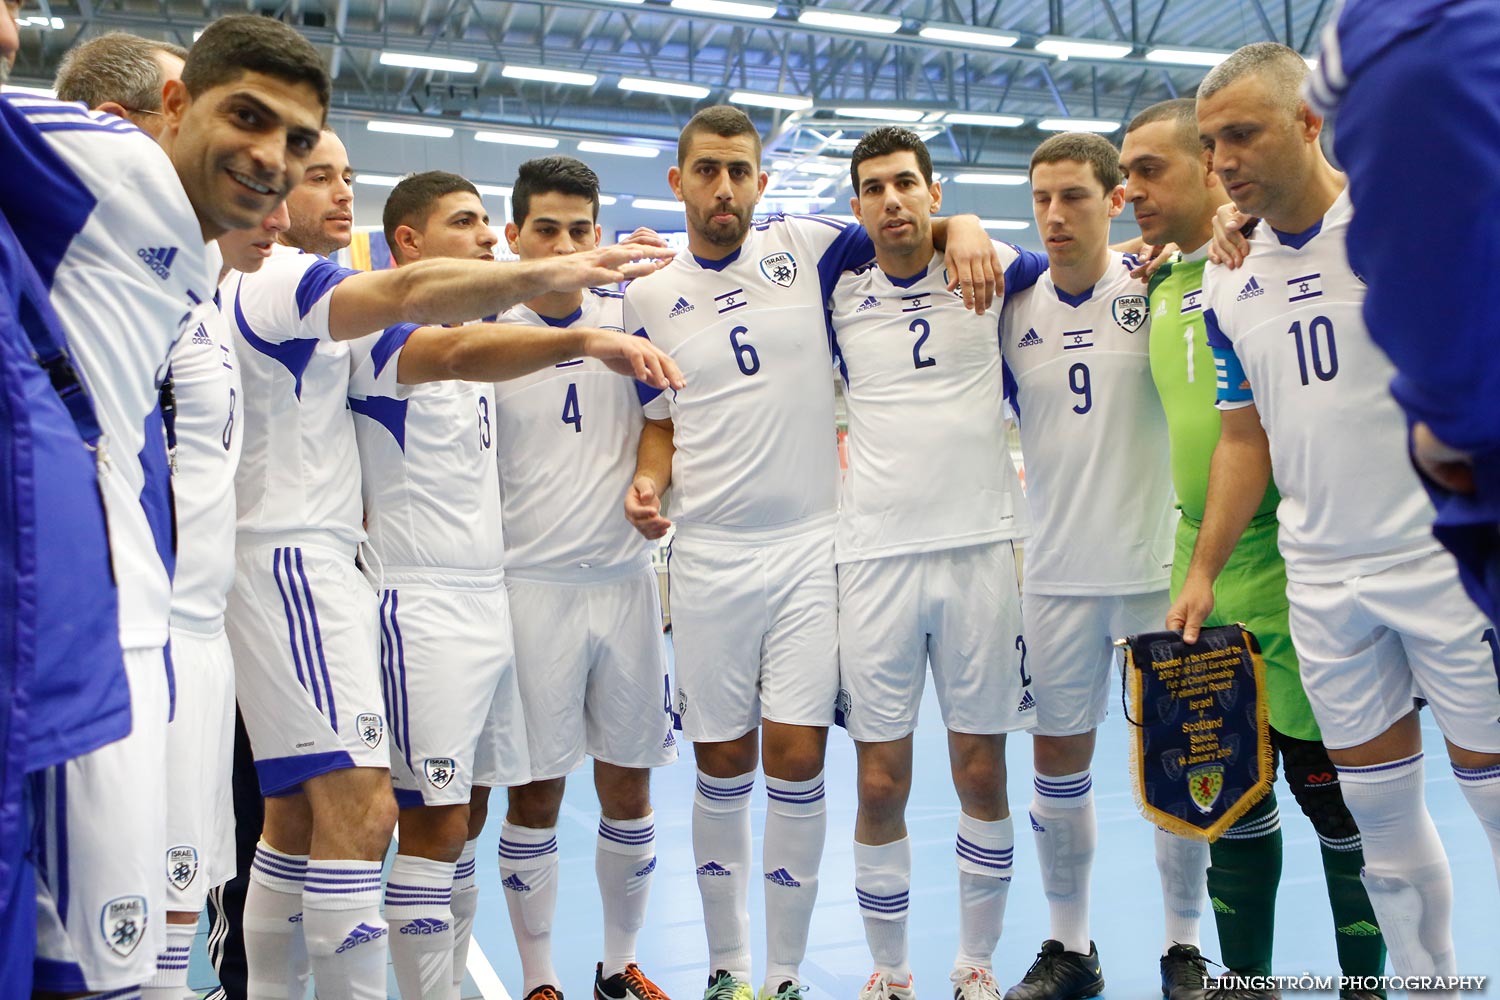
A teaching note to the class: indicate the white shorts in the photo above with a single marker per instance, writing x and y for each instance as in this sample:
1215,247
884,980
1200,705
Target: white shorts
100,828
960,610
593,670
1367,645
755,629
1072,656
302,627
200,755
448,669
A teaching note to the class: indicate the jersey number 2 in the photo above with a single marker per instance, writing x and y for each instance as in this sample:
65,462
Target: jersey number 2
919,326
570,414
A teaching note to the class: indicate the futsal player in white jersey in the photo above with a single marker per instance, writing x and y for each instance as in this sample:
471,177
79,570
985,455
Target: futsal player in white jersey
750,451
926,563
1098,562
302,619
587,617
118,229
1377,610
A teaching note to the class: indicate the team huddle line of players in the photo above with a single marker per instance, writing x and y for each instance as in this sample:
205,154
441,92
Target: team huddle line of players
340,447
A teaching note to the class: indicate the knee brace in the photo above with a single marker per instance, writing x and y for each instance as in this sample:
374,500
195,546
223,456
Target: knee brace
1314,783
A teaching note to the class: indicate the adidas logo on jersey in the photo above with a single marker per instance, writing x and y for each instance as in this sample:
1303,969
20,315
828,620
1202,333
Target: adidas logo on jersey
783,878
1027,702
363,934
682,307
713,868
425,926
870,302
514,884
1251,290
200,336
1030,340
159,259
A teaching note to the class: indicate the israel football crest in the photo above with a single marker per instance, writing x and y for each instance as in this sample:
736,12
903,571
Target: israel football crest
371,729
1205,782
440,770
779,269
182,865
123,923
1130,312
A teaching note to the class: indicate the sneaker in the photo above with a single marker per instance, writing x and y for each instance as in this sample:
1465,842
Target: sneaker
881,986
631,984
970,983
1183,973
788,990
1059,974
723,986
546,991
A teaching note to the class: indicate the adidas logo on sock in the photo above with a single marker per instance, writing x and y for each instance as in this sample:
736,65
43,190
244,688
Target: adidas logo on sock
1027,702
426,925
1360,928
1251,290
159,259
1030,340
783,878
362,934
870,302
1220,906
682,307
1035,826
514,884
650,867
712,868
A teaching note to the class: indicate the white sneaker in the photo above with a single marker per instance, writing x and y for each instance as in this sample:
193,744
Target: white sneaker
881,987
970,983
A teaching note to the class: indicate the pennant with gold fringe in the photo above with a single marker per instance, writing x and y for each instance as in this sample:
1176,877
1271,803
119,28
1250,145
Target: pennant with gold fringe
1200,753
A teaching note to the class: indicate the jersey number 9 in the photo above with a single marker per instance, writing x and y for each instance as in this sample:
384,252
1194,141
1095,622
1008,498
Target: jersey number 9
1078,381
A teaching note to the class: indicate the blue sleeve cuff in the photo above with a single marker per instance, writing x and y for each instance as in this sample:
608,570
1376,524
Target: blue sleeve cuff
1232,386
391,340
317,281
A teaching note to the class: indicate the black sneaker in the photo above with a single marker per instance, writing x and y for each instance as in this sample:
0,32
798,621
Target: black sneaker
1183,973
1059,974
546,991
631,984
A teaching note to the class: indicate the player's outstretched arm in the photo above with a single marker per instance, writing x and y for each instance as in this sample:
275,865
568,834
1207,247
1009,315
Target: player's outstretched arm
970,257
653,474
1237,481
494,352
456,291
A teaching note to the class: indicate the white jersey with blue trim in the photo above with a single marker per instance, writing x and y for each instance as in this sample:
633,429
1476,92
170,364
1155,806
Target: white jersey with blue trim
299,470
427,453
1093,437
753,429
121,252
929,468
208,427
1288,333
566,438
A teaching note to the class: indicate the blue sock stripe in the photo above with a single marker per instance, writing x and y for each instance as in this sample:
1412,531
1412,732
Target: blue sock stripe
444,886
296,876
716,792
342,883
418,897
464,868
627,836
319,891
1374,768
883,907
895,897
300,864
810,795
1068,790
983,861
994,852
1476,773
512,849
355,868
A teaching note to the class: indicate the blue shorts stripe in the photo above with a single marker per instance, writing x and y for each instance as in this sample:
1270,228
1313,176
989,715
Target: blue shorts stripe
317,631
400,660
388,676
302,639
60,888
286,606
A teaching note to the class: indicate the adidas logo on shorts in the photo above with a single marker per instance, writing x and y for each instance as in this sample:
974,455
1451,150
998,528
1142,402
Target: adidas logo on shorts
783,878
1251,290
1027,702
426,925
514,884
714,868
870,302
362,934
1030,340
682,307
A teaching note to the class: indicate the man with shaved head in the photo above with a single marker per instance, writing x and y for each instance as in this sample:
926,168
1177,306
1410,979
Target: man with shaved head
1170,182
1376,608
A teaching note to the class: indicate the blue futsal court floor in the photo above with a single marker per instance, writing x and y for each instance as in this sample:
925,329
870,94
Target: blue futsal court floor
1126,892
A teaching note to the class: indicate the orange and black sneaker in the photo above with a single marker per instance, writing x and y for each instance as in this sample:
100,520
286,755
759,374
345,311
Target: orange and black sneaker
546,991
631,984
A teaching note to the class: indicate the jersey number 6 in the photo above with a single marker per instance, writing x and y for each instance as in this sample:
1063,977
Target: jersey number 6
744,354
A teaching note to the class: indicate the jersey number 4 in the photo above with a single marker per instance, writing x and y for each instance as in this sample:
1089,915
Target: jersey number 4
570,414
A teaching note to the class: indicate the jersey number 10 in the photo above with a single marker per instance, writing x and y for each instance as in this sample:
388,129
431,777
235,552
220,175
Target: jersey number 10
1324,368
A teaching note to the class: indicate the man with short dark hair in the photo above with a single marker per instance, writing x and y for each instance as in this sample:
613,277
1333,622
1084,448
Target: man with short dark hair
586,613
926,564
750,449
120,74
1169,180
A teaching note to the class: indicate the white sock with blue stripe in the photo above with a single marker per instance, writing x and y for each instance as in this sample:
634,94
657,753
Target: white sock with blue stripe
985,849
1062,817
528,873
418,898
347,940
624,859
721,851
275,950
1406,871
170,981
796,826
1183,867
1481,786
465,904
882,884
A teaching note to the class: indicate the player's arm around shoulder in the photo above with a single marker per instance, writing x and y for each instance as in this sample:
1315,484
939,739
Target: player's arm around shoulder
495,352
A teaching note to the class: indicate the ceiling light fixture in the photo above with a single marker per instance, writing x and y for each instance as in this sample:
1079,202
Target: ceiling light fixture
1009,180
888,114
1077,125
731,8
517,139
541,75
410,128
1072,48
850,22
667,88
412,60
618,149
1186,57
991,121
781,102
657,205
969,36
